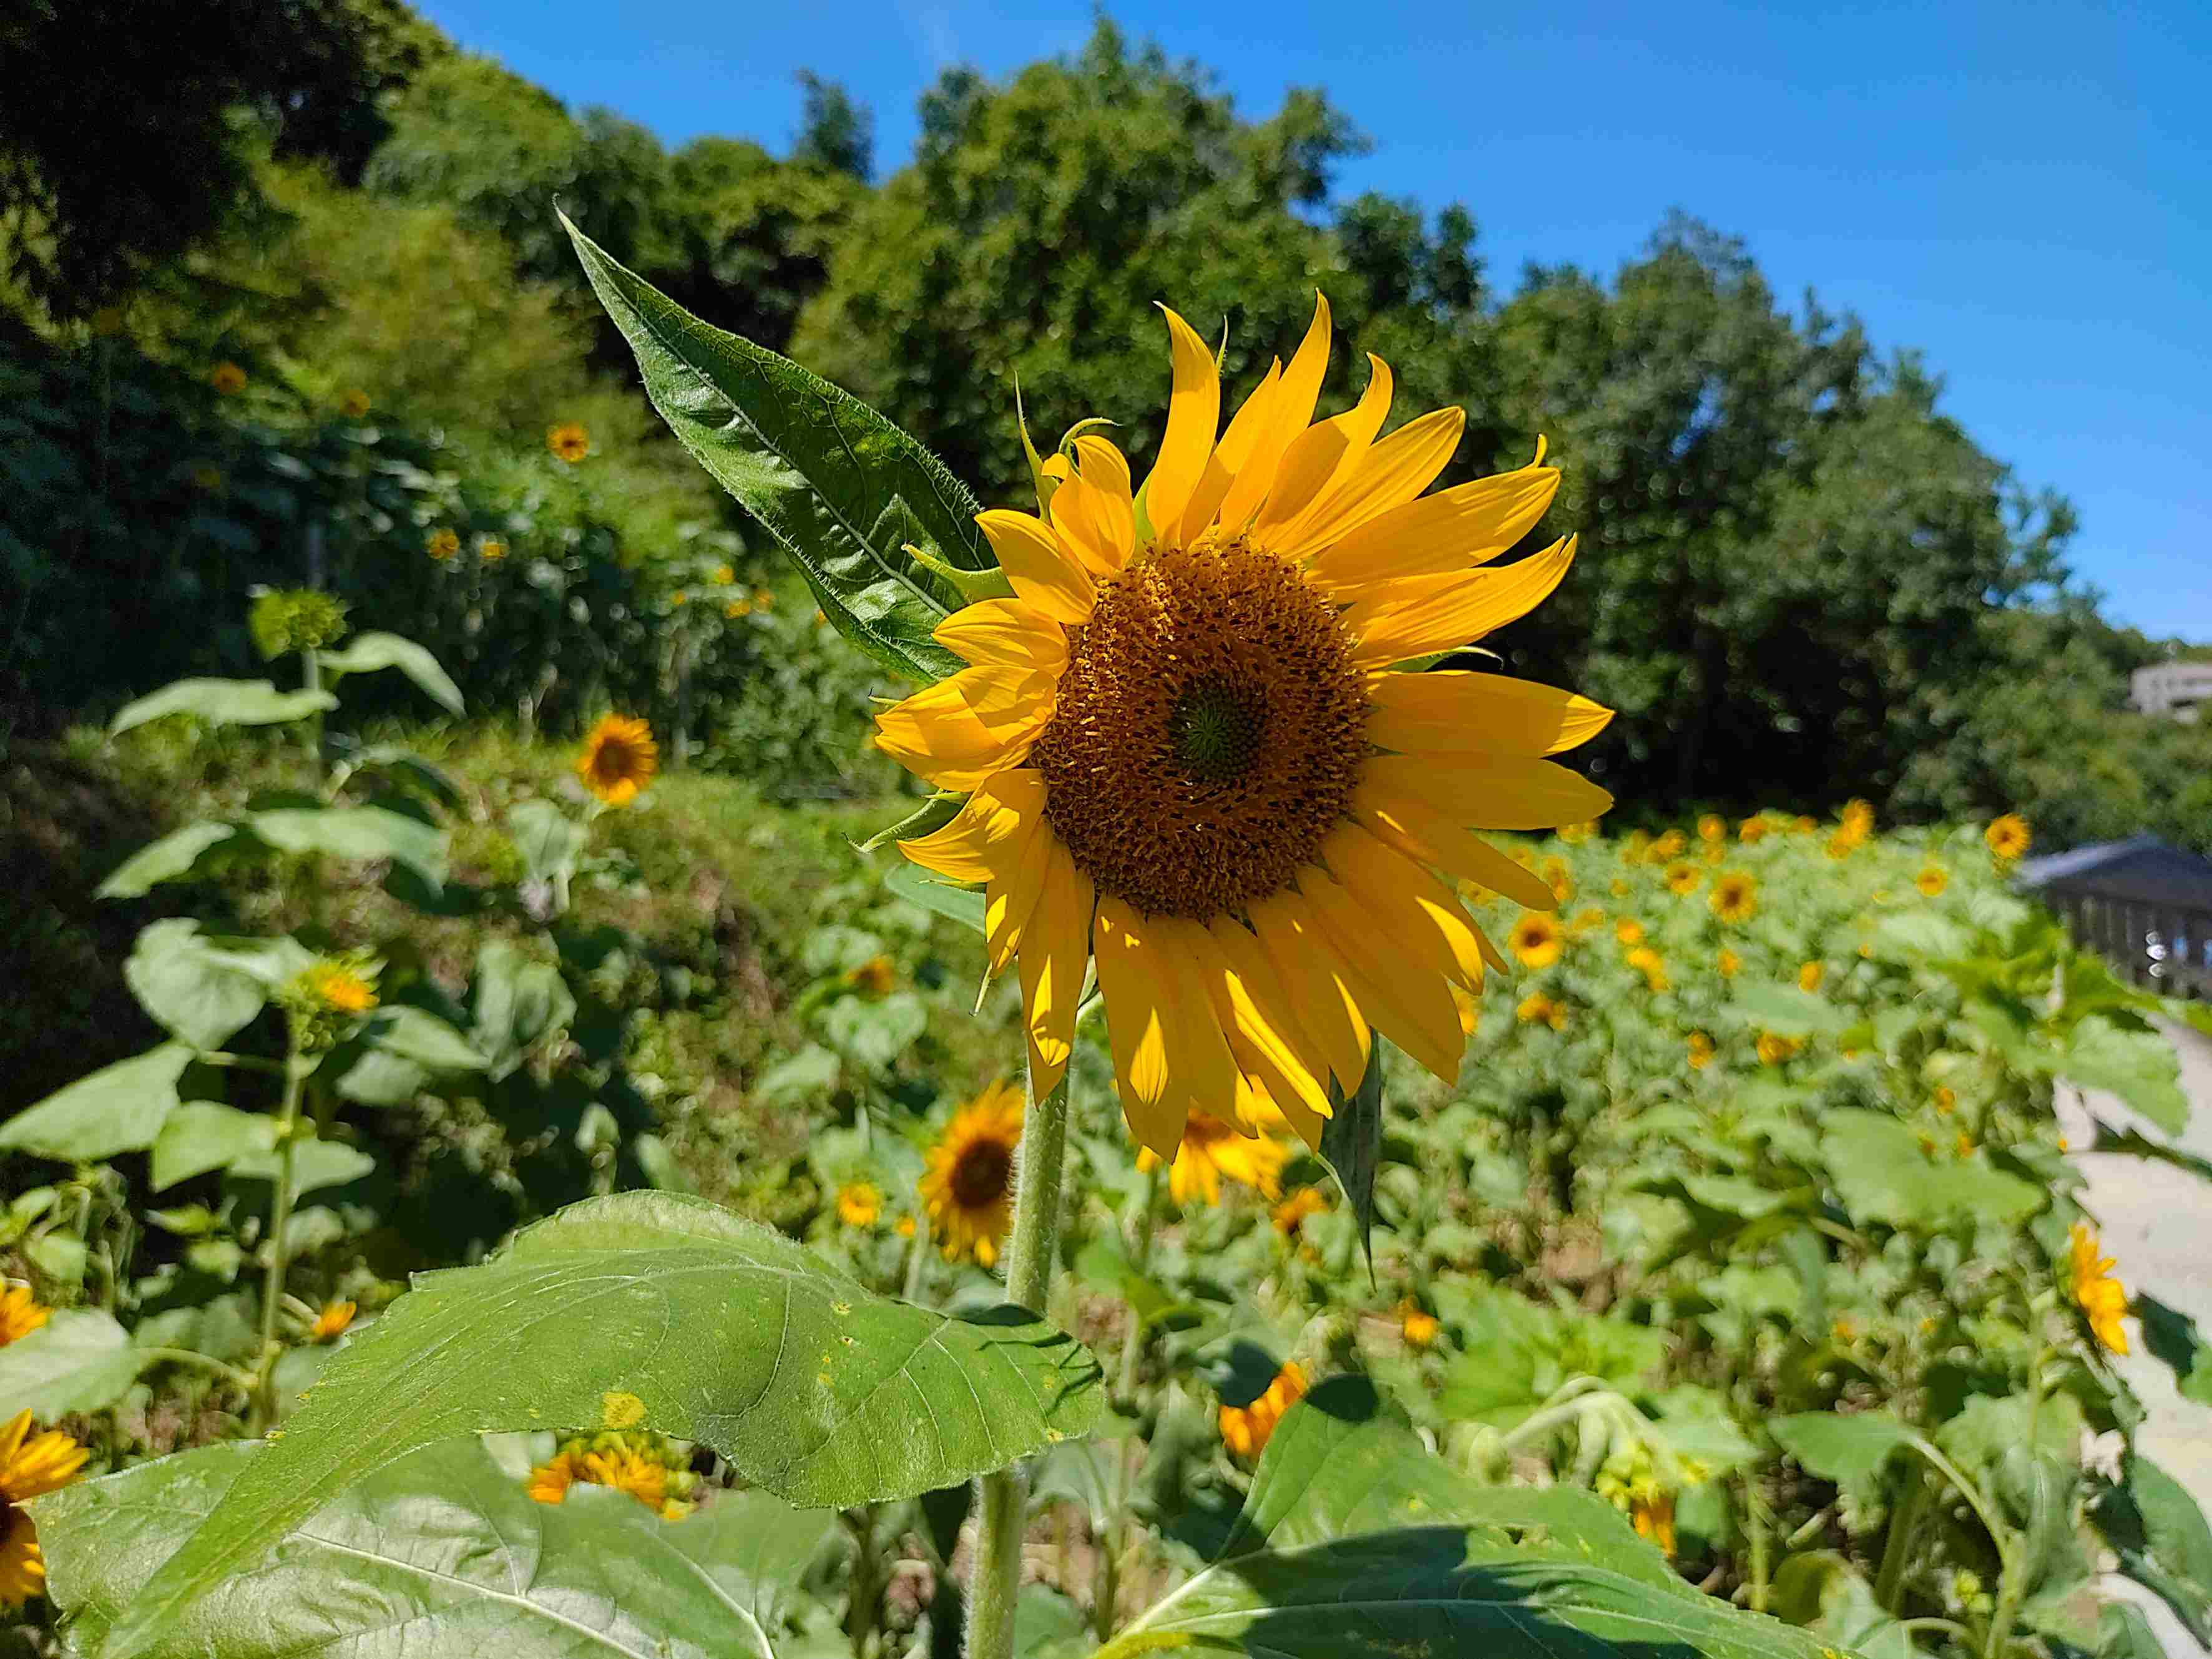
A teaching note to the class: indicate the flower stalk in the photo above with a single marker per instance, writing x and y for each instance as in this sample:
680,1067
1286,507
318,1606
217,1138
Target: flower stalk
280,1222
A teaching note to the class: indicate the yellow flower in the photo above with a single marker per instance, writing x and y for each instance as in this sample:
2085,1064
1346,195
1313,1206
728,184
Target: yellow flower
21,1313
1964,1146
340,989
643,1465
724,576
1184,762
1931,881
1558,877
619,759
1668,846
1653,1515
226,378
1637,849
1947,1100
1682,879
1246,1430
1701,1051
1712,827
873,977
2096,1291
903,1226
1419,1327
1729,962
858,1204
2008,836
491,549
679,596
1735,897
442,544
763,599
1537,1009
1587,917
1648,963
1844,1330
1715,852
1858,819
1809,976
28,1467
332,1322
1301,1203
1805,825
353,404
1576,834
1751,830
1627,932
569,442
968,1186
1536,940
1773,1049
1211,1149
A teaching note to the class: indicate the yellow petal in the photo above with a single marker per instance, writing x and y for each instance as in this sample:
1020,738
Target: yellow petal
964,729
978,843
1055,946
1467,524
1329,1014
1412,909
1256,1039
1140,1026
1229,456
1005,630
1406,1003
1204,1071
1194,419
1420,831
1424,614
1286,418
1093,510
1010,898
1390,474
1044,573
1450,710
1324,453
1492,791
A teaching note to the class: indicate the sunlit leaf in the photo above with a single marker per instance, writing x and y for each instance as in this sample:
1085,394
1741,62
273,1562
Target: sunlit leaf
222,702
366,652
118,1108
79,1360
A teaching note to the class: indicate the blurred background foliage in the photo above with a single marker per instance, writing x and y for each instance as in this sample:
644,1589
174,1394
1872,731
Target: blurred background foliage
1801,579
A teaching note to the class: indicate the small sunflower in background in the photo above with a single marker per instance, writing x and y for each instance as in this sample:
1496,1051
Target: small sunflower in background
1774,1048
724,576
2007,837
30,1466
342,987
1535,939
1628,932
1931,881
1752,830
1289,1215
643,1464
1735,897
1246,1430
1810,975
619,759
491,549
226,378
1538,1009
858,1204
1701,1050
1416,1325
967,1187
1728,964
353,404
442,544
1212,1149
873,978
569,442
1650,964
1712,827
1682,879
763,599
2097,1293
21,1313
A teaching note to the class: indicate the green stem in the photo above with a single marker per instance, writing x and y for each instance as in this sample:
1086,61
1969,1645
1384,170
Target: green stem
244,1383
1762,1542
1107,1597
997,1578
311,679
1896,1557
280,1221
867,1596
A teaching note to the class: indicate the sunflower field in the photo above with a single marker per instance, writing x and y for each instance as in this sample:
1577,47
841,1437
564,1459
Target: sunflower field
1272,1173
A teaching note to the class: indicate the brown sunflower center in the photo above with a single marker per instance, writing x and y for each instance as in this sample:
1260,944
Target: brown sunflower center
1211,730
614,761
982,1173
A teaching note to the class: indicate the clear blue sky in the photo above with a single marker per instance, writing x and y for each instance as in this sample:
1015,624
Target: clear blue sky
2022,190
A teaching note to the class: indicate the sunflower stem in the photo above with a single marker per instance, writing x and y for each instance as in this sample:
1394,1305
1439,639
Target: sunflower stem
1004,1511
280,1222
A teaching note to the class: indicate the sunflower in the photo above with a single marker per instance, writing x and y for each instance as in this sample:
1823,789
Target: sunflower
332,1322
1701,1051
645,1465
1576,834
569,442
873,977
1418,1327
442,544
1735,897
619,759
28,1466
1537,1009
1947,1100
1931,881
1683,878
1246,1430
858,1204
1809,976
1189,759
21,1313
2096,1291
723,576
1628,932
1712,827
1536,940
1774,1048
353,404
1289,1215
1211,1149
340,988
226,378
2008,836
1728,963
1651,1512
1751,830
1650,964
491,549
968,1186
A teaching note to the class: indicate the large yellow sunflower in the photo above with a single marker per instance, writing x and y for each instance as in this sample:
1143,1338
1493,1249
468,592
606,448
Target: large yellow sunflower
968,1186
29,1465
1190,756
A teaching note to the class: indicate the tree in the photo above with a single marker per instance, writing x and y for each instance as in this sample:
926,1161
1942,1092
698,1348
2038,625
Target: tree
836,134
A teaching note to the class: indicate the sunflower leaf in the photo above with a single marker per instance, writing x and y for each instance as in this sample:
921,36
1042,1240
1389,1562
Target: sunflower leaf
1351,1143
221,702
844,490
962,904
658,1311
513,1577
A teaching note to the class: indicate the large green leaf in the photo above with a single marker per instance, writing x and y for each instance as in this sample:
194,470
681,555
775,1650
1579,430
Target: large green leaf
549,840
840,487
2139,1066
1355,1542
1788,1011
222,702
446,1549
79,1360
2163,1541
665,1312
367,652
356,832
518,1000
201,1135
201,992
118,1108
1882,1173
176,854
1849,1450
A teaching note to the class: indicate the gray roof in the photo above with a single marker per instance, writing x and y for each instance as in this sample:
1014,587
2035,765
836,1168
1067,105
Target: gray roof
2142,869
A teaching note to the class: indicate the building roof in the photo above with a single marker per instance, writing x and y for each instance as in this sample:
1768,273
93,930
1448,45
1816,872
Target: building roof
2142,870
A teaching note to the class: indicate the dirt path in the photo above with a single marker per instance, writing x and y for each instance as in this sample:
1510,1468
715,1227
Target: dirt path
2158,1222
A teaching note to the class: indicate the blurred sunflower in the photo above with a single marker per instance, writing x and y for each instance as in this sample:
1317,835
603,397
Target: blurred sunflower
969,1185
226,378
1651,1512
1576,834
491,549
1628,932
21,1313
1293,1211
1419,1327
333,1321
1246,1430
619,758
1712,827
1668,846
1774,1048
1683,878
1537,1009
28,1467
873,977
569,442
1931,881
2098,1293
1728,963
2008,836
1648,963
442,544
1752,830
1190,760
340,987
353,404
1701,1051
1809,976
858,1204
1211,1149
643,1464
1735,897
1535,939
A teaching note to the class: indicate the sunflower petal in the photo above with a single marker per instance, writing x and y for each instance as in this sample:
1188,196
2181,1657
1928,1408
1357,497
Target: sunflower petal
1492,791
1261,1052
1390,474
1409,1004
1409,905
1230,455
1093,509
1005,631
977,844
1422,614
1139,1026
969,726
1324,453
1287,418
1055,946
1010,898
1438,535
1045,574
1419,830
1194,421
1320,996
1451,710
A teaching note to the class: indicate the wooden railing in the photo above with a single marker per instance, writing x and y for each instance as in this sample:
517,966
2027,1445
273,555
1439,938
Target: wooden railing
2168,947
